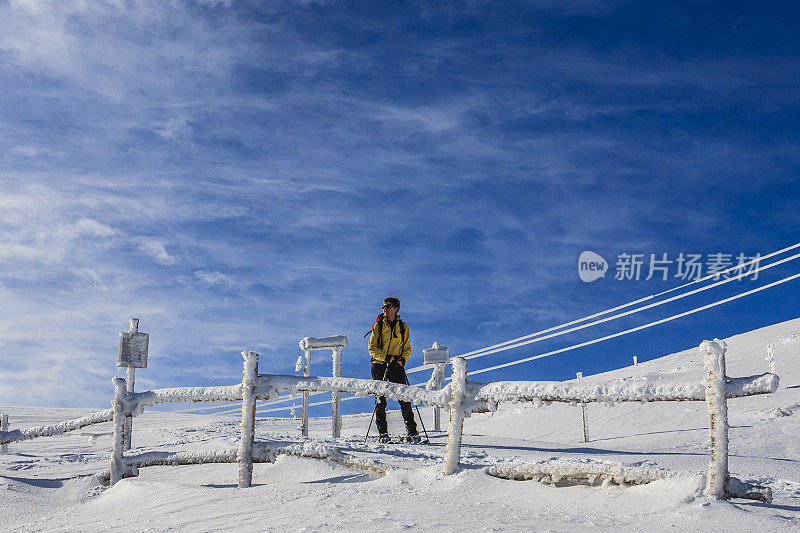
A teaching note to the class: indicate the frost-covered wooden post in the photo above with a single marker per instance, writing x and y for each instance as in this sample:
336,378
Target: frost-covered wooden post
131,353
4,427
583,407
336,409
306,373
438,356
635,361
245,455
336,344
458,394
117,444
439,380
771,358
717,402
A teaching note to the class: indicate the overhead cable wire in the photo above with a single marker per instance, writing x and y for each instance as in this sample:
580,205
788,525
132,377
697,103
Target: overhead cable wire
638,328
632,311
505,344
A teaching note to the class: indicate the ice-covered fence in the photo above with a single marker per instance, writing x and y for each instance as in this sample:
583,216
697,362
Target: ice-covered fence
253,387
127,403
19,435
714,389
265,387
460,397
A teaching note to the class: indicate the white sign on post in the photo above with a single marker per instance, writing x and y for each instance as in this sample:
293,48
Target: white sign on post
132,349
436,354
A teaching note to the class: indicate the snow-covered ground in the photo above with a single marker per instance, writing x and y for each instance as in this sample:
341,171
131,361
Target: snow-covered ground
50,483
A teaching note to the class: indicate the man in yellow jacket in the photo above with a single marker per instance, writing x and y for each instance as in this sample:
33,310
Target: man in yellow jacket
390,348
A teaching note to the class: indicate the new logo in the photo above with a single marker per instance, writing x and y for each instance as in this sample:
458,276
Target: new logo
591,266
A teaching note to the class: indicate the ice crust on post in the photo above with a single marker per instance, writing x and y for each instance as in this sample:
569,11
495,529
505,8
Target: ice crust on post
313,343
714,359
336,396
457,389
117,462
245,455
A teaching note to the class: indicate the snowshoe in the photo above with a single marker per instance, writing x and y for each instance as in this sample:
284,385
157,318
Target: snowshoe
384,438
412,439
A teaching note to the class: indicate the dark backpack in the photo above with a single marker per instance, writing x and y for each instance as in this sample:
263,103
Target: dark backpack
400,324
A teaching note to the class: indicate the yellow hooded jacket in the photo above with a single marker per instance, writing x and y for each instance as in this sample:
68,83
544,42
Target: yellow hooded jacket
393,342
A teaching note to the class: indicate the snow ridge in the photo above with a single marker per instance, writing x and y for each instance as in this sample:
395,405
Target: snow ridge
554,470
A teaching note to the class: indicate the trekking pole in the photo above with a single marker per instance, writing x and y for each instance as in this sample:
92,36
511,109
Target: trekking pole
371,419
419,415
385,374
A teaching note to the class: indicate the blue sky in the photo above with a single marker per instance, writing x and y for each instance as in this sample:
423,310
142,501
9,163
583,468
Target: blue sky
245,174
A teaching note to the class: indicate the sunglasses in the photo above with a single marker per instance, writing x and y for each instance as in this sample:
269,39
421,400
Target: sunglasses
387,306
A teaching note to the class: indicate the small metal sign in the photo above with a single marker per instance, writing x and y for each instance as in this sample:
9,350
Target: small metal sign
133,346
436,354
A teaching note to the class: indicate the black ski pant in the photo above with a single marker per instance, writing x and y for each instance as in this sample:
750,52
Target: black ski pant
396,374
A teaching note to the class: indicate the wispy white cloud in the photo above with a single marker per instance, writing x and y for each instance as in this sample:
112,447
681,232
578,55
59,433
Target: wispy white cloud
155,248
211,278
174,129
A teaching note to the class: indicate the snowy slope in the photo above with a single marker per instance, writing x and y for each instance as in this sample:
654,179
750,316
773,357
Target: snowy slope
48,483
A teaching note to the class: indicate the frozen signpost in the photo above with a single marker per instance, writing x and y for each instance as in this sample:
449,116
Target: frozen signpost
132,353
438,356
335,344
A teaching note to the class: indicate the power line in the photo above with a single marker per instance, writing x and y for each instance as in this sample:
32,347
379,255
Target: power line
638,309
601,313
637,328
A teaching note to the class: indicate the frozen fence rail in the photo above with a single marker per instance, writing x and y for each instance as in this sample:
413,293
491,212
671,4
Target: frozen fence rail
19,435
460,396
648,390
230,393
263,452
